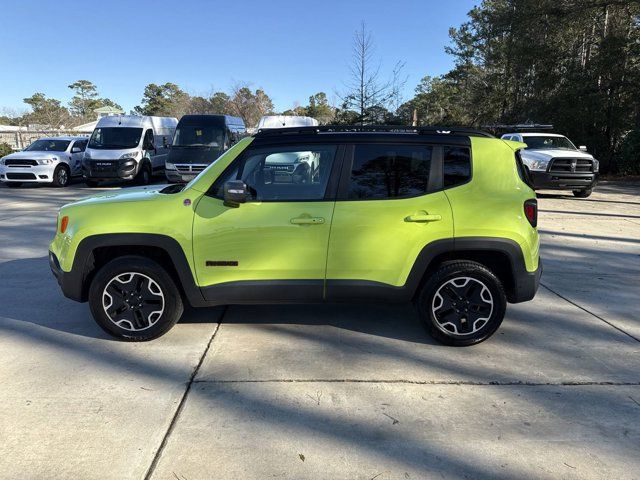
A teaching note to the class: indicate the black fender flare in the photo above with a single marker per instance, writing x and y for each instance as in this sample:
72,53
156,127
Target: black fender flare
75,281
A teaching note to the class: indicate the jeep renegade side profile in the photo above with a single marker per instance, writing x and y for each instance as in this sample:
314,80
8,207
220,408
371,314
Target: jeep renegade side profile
444,218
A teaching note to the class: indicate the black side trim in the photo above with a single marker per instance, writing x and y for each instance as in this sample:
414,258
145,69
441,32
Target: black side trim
73,283
264,292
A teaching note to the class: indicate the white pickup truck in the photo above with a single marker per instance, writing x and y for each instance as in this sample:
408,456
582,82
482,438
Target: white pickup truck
555,163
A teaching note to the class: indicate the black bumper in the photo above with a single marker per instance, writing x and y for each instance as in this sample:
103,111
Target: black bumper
69,283
563,181
110,169
525,284
176,177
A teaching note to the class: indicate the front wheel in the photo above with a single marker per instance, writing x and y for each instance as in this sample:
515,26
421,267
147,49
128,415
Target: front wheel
144,175
582,193
61,176
133,298
462,303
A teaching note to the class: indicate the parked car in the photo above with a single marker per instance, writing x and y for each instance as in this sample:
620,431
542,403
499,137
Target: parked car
199,140
555,163
411,217
127,147
284,121
51,160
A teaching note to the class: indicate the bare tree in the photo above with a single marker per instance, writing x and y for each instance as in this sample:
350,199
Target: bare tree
366,90
248,105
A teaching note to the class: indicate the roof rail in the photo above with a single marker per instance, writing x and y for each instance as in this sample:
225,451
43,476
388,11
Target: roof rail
453,131
520,127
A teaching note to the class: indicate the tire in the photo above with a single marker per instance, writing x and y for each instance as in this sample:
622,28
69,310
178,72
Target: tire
583,193
61,176
124,281
13,184
144,175
91,183
477,290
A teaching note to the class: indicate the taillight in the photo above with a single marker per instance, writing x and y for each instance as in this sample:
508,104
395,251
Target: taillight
63,224
531,212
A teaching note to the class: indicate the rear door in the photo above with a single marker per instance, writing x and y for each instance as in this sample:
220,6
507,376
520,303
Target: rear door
274,246
390,205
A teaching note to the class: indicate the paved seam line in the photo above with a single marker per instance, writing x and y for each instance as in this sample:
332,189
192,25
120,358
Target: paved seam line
183,401
590,313
429,382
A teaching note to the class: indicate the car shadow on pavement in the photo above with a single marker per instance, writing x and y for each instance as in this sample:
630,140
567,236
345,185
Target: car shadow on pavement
31,296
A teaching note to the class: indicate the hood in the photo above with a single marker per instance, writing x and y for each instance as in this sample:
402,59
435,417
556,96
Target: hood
36,155
202,155
547,153
134,194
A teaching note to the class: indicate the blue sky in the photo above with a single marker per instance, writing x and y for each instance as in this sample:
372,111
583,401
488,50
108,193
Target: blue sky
291,49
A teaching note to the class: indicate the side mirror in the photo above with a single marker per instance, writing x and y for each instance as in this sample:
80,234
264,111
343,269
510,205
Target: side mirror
582,148
75,150
235,193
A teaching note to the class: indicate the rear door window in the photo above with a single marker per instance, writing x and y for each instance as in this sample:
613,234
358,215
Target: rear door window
382,171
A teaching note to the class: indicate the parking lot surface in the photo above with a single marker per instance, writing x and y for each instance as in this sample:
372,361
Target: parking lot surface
330,391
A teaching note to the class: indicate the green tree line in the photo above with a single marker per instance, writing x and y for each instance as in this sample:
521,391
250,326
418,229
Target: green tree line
572,63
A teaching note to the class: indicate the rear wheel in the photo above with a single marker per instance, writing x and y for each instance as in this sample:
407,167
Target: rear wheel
13,184
61,176
133,298
582,193
462,304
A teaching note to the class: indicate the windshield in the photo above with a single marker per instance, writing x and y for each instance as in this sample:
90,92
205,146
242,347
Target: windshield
194,136
547,142
115,138
48,146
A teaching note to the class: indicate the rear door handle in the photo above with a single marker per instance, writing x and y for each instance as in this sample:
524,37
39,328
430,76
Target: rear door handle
422,217
307,220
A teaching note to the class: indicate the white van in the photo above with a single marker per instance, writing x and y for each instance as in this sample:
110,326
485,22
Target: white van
127,147
285,121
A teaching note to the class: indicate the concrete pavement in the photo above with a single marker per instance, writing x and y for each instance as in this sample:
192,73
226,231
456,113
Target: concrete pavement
350,391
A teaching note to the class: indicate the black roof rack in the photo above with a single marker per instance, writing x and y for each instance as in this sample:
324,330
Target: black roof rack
520,127
454,131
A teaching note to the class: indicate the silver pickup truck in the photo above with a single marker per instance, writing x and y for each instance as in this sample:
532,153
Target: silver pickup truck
555,163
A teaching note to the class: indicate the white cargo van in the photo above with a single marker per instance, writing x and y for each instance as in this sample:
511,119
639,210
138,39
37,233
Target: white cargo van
127,147
285,121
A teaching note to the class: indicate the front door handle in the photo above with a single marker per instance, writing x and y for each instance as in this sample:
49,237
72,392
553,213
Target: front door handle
422,217
305,220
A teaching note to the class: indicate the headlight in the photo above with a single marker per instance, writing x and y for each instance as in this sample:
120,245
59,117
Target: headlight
2,161
169,166
538,165
46,161
130,155
596,166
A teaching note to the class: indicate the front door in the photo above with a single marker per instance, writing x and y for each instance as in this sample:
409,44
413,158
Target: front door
76,157
275,245
389,207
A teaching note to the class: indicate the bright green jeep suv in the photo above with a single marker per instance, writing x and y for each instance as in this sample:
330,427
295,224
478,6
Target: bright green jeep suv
444,218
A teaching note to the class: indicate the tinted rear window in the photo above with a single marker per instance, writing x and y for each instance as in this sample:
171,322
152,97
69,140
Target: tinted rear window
456,166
